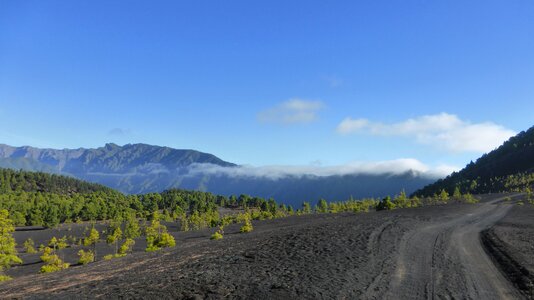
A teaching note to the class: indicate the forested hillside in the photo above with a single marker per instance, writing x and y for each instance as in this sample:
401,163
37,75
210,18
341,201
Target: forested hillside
41,199
508,168
17,181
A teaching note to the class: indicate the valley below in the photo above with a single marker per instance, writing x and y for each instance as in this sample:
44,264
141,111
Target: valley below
466,251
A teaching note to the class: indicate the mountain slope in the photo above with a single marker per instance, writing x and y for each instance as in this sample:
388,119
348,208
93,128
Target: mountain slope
141,168
23,181
109,159
507,168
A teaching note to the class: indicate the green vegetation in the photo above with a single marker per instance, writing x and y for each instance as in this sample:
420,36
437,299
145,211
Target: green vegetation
443,196
52,261
247,223
126,247
23,181
157,236
64,200
218,235
132,229
91,240
8,252
385,204
114,235
29,246
509,168
85,257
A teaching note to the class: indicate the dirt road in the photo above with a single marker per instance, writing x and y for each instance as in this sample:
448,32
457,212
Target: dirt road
447,260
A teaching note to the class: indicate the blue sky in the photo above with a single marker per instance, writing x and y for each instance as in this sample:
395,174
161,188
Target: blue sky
270,82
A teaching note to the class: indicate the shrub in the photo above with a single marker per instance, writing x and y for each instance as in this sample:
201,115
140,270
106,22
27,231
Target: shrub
85,257
322,206
444,196
216,236
306,208
247,227
4,278
167,240
470,199
109,257
91,240
126,247
401,200
385,204
53,243
131,229
8,252
52,262
29,246
415,202
157,237
114,237
57,266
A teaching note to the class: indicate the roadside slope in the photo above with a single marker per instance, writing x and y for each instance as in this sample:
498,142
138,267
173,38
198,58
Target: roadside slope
509,243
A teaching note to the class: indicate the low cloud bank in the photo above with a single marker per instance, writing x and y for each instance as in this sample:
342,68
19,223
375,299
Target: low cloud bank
391,167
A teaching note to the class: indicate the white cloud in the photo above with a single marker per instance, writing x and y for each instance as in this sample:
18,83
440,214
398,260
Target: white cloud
390,167
443,130
292,111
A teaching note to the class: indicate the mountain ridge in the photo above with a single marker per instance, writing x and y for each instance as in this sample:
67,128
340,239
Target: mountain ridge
110,157
143,168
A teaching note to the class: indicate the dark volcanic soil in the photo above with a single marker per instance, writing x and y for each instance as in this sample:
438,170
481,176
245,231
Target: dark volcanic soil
423,253
511,244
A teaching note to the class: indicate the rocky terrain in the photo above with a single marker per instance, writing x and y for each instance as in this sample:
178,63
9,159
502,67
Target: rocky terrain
422,253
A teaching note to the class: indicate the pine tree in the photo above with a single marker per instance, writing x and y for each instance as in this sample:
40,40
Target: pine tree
385,204
132,229
52,262
322,206
85,257
457,195
92,240
247,226
444,196
401,201
29,246
8,252
126,247
306,208
114,238
157,236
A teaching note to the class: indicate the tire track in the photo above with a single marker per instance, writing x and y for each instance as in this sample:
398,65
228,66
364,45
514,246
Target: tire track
433,259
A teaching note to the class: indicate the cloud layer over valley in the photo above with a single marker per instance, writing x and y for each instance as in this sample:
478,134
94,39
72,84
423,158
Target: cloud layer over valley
275,172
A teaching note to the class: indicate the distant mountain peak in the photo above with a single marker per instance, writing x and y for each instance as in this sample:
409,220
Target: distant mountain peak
109,158
142,168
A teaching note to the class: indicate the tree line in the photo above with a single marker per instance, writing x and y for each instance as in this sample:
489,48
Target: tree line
509,168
